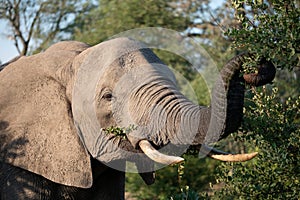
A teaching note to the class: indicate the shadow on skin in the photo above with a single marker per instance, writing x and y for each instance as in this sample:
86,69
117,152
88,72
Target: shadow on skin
17,183
10,175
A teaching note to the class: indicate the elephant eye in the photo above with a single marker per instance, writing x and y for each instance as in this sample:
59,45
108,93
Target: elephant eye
107,96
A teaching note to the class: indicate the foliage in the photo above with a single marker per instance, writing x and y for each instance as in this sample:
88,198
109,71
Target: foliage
186,193
120,131
274,127
288,83
44,21
191,178
269,29
113,16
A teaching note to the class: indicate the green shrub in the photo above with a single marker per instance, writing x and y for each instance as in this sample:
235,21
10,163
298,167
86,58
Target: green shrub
186,181
273,127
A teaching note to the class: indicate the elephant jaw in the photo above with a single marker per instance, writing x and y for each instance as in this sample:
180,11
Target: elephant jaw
158,157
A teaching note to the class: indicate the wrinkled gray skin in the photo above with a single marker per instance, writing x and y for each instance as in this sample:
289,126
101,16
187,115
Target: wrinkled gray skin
43,157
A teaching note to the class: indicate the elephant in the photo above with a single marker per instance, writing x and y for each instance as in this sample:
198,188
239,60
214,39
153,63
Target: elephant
50,147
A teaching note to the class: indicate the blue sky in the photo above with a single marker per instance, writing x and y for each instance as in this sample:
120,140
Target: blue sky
8,49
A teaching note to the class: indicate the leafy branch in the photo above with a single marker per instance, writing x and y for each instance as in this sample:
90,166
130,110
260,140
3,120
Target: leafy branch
268,29
120,131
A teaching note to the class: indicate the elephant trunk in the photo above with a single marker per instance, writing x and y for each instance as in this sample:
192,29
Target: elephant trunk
228,95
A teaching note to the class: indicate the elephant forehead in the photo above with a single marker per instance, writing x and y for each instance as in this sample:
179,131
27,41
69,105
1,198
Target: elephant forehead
132,70
107,52
120,52
144,73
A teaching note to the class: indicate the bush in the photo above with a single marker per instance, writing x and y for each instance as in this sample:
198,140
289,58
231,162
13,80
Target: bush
185,181
273,127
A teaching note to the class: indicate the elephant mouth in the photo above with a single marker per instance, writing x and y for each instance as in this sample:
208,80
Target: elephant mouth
158,157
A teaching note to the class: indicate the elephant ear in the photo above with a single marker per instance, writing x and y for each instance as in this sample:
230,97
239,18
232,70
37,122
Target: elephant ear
37,131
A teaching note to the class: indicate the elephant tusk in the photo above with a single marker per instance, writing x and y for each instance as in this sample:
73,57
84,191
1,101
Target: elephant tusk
235,157
227,157
156,156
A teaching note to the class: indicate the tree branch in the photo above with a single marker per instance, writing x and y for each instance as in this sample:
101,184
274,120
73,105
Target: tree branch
36,17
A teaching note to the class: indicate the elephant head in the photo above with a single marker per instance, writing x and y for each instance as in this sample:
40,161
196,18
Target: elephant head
56,105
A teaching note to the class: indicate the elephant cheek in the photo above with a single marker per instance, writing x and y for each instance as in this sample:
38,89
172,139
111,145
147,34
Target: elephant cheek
105,119
136,136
